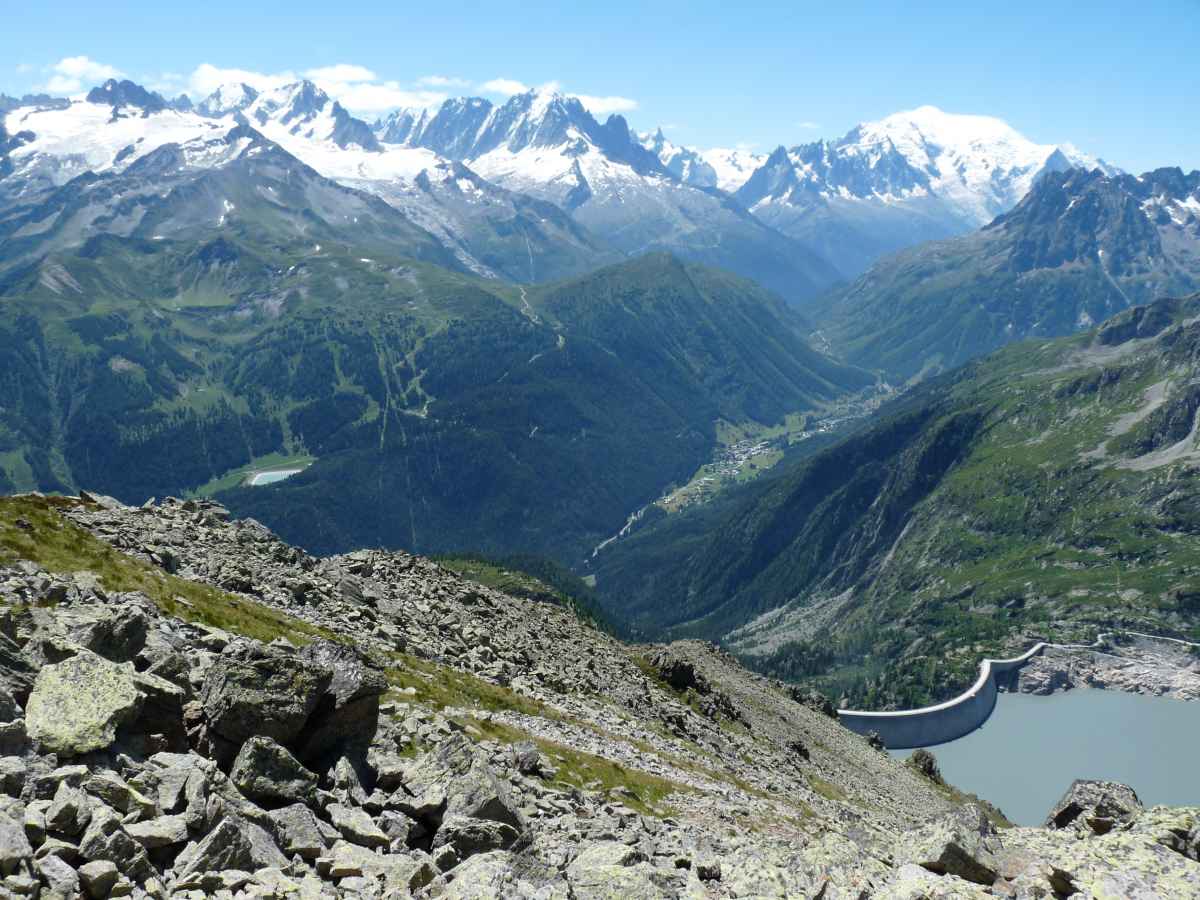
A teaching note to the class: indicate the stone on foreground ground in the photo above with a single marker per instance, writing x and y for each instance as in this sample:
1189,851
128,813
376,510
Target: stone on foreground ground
390,730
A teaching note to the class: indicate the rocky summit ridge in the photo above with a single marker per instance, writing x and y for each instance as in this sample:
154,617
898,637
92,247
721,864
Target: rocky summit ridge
190,707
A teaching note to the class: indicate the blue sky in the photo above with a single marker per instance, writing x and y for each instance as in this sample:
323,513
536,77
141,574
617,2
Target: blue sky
1119,80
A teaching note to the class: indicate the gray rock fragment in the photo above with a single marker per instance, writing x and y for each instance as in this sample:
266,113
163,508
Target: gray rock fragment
268,774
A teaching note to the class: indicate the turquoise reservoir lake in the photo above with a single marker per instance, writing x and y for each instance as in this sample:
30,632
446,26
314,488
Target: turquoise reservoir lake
1031,749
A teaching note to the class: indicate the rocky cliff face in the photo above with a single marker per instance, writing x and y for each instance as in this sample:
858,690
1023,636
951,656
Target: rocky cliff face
190,707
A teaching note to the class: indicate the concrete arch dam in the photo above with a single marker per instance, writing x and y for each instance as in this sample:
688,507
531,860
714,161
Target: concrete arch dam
903,729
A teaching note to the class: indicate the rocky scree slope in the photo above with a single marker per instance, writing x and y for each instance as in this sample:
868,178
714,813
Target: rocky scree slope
1047,492
193,708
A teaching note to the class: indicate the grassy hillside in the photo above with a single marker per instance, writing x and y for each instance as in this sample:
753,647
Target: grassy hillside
1047,491
444,412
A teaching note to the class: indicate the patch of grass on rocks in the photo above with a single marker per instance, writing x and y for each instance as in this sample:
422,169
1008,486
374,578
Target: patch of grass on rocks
439,686
640,791
826,789
33,529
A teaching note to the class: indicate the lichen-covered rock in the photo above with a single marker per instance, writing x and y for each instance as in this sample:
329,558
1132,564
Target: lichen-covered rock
162,831
1130,861
268,774
357,826
962,844
298,831
233,844
258,692
77,705
98,878
914,882
69,811
1098,806
469,836
347,714
483,877
107,839
118,634
14,845
612,871
458,781
61,880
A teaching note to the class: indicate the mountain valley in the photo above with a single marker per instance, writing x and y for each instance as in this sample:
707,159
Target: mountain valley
514,454
1046,492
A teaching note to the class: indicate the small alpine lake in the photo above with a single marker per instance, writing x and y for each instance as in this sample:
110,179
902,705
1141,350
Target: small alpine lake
260,478
1027,754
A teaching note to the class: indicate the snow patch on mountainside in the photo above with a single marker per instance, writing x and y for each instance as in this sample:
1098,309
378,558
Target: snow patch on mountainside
733,166
727,169
88,137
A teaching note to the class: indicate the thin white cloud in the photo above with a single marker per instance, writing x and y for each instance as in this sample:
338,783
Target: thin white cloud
342,73
24,68
167,83
505,87
378,97
356,87
71,73
442,81
602,106
206,78
809,126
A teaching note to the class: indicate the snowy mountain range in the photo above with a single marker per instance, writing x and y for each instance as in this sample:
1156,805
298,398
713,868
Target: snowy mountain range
538,188
910,177
720,168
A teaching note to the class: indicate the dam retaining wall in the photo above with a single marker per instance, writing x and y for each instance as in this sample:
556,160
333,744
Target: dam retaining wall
947,721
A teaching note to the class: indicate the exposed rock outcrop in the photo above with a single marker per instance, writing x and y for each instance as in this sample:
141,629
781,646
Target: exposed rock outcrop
373,726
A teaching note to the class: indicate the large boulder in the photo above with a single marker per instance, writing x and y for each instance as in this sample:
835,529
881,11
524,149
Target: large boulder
254,691
963,843
269,775
106,839
468,837
233,844
297,830
98,878
456,780
77,705
118,634
161,831
356,826
347,714
62,882
70,810
678,671
483,877
610,871
1095,806
16,674
14,845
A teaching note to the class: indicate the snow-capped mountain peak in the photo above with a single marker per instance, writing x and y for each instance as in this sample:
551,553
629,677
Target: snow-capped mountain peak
721,168
304,110
227,99
981,165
